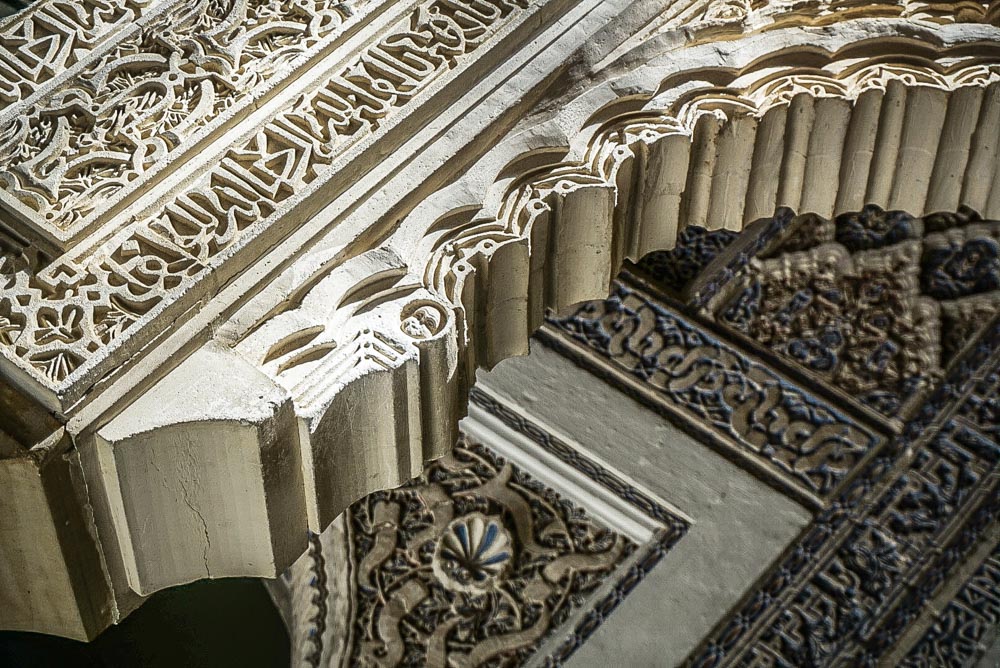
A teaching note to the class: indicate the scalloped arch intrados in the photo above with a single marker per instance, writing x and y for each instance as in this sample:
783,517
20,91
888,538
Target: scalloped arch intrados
915,135
946,105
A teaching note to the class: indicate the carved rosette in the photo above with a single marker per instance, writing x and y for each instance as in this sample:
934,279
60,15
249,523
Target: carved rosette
473,554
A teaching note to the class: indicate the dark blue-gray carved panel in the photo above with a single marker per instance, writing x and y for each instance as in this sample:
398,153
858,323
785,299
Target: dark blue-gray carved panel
876,303
706,382
956,637
867,568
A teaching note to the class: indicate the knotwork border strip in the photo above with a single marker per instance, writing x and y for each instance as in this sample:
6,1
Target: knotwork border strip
972,616
716,394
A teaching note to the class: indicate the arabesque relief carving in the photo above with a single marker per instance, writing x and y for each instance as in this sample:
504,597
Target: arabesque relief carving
474,563
51,37
98,134
872,562
153,260
510,563
876,302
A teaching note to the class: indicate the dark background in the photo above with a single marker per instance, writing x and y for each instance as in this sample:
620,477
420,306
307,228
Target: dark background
207,624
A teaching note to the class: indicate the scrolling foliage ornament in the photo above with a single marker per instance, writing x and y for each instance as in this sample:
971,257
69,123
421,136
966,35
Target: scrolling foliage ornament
476,563
876,303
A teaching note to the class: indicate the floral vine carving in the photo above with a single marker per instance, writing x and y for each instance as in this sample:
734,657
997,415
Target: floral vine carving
473,563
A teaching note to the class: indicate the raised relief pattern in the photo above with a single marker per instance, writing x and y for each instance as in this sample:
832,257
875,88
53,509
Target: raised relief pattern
94,136
474,563
708,382
142,268
53,35
871,562
876,303
957,635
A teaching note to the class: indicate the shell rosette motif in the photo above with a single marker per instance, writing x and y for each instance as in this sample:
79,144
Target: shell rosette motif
474,552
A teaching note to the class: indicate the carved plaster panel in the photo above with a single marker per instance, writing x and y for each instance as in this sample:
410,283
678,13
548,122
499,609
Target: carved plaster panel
876,303
863,572
49,39
69,159
959,631
474,563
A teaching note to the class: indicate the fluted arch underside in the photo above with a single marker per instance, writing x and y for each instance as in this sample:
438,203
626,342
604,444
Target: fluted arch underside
901,132
719,150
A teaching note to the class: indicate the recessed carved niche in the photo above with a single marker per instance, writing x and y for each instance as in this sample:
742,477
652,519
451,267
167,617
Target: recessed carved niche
477,562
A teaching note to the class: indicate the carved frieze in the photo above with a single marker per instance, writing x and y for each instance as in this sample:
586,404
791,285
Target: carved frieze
69,156
95,298
50,37
711,386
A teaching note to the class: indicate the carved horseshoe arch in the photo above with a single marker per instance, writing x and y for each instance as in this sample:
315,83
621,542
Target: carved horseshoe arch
376,353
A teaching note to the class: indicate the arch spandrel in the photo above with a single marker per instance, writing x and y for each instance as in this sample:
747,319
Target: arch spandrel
373,331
